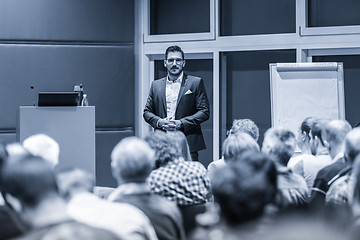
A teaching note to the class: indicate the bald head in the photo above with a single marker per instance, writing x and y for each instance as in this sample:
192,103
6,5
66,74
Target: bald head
352,145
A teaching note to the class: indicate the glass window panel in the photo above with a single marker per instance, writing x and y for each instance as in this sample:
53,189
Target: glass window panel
324,13
351,84
240,17
202,68
186,16
245,87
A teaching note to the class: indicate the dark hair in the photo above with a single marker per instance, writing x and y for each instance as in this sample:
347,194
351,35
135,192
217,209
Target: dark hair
3,154
306,125
356,172
318,128
28,178
166,149
243,188
174,49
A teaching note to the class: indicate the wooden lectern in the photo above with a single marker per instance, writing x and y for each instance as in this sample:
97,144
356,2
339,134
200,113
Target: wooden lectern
72,127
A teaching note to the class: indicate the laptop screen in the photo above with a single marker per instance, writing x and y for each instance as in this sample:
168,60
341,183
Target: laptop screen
58,99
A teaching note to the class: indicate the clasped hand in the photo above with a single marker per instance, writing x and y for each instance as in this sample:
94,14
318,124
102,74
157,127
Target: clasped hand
170,125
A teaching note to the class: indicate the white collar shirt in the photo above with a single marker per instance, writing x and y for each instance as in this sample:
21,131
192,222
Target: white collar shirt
172,94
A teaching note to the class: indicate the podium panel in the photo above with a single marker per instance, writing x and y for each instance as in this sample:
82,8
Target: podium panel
72,127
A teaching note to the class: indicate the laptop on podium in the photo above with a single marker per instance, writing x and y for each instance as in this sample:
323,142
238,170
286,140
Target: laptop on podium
58,99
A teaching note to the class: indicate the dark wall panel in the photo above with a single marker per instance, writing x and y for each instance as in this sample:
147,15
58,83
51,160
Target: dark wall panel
7,137
67,20
107,74
248,86
351,84
324,13
242,17
105,142
187,16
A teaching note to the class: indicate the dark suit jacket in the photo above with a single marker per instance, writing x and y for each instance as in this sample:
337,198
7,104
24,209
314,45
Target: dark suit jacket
163,214
192,109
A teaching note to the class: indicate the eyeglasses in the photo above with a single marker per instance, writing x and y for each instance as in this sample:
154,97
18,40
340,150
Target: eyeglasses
173,61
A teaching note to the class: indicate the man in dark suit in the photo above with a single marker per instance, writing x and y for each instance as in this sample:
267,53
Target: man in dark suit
178,102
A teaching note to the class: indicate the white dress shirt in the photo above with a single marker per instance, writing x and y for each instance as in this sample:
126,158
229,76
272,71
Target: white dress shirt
172,94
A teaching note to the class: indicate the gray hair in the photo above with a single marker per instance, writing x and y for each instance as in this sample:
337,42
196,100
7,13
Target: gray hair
74,180
132,160
279,143
235,145
43,146
335,131
246,126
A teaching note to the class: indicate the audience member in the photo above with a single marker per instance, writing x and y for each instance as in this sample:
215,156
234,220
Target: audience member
245,126
31,189
233,146
303,142
334,137
309,166
354,200
185,183
242,189
43,146
180,140
132,160
279,144
10,223
123,219
341,189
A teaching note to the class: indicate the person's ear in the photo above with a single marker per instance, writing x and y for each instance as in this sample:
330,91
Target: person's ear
165,63
14,202
304,136
326,145
184,62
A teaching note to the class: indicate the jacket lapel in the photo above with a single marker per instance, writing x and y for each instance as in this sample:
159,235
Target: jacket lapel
162,95
182,88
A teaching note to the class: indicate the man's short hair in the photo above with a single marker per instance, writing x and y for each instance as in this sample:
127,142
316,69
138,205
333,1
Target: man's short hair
352,144
174,48
335,131
43,146
166,150
28,178
246,126
307,125
279,143
235,145
317,129
243,188
73,180
132,160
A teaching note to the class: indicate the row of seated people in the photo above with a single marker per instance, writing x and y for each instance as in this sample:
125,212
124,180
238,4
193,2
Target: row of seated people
162,194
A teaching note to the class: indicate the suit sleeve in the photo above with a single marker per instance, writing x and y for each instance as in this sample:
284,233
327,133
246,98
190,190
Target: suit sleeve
149,110
202,109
